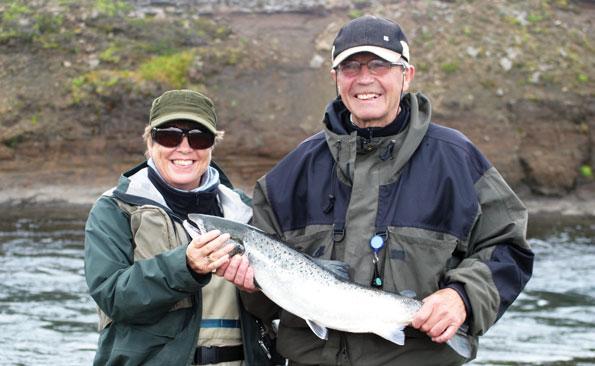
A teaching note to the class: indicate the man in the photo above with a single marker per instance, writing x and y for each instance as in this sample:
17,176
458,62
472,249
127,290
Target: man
411,206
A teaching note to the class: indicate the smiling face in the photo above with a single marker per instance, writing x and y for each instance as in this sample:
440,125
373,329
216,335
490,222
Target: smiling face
182,166
373,100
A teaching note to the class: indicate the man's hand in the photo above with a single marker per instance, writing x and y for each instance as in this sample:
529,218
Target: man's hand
239,272
441,315
208,252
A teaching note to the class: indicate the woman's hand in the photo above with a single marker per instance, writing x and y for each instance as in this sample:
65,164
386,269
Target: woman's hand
239,272
208,252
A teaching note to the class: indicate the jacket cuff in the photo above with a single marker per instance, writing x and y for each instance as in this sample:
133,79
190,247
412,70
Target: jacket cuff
202,279
460,289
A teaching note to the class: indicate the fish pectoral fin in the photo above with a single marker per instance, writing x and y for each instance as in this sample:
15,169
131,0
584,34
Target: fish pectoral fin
338,268
408,293
395,335
320,330
461,344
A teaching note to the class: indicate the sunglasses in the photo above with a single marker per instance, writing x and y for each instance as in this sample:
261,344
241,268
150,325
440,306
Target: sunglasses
172,137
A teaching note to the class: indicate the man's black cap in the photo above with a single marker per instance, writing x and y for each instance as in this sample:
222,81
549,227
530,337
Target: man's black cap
368,33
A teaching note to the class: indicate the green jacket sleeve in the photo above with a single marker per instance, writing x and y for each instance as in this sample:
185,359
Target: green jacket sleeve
131,291
498,261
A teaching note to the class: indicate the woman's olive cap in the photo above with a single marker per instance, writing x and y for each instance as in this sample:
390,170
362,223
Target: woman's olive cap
183,105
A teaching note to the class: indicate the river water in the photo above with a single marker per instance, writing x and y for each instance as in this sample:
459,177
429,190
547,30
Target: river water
47,318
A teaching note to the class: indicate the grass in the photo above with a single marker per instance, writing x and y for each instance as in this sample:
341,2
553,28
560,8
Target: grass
170,70
450,67
112,8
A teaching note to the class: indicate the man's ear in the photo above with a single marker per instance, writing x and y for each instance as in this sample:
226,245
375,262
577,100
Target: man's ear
408,75
334,75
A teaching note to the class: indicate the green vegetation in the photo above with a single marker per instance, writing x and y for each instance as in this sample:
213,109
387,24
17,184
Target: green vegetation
111,54
101,82
535,17
9,25
15,10
582,78
561,3
22,23
112,8
355,13
450,67
586,171
106,51
170,70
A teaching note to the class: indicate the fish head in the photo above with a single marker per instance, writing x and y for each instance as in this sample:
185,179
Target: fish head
239,233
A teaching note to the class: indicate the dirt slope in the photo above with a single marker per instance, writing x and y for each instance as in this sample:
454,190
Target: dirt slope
77,80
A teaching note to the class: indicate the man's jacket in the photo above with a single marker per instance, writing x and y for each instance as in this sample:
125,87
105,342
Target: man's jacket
447,216
135,266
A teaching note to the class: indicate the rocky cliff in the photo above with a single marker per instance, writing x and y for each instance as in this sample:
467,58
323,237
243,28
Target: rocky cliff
77,79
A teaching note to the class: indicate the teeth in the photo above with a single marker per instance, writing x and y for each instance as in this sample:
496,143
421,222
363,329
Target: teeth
182,162
367,96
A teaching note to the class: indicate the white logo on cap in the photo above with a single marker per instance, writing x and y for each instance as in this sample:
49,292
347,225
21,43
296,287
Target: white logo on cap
386,39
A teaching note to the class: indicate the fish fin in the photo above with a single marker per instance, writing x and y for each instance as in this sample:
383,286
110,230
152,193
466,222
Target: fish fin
320,330
395,335
257,285
461,344
338,268
408,293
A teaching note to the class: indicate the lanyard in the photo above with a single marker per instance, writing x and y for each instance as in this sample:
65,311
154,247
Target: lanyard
376,244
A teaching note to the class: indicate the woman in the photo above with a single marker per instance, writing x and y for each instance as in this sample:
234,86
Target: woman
158,301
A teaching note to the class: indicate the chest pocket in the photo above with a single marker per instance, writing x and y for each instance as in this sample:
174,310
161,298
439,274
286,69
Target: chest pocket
154,232
416,259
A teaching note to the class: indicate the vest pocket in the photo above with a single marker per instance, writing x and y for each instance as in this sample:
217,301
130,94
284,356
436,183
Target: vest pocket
416,259
168,326
153,232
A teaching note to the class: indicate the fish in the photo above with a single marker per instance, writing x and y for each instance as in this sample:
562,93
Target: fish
319,291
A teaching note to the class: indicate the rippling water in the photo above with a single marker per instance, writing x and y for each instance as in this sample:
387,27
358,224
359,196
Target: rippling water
47,318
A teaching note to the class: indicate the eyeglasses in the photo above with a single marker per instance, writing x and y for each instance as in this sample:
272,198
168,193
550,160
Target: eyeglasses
375,66
172,137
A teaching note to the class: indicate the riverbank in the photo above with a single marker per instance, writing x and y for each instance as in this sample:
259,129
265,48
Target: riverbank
82,187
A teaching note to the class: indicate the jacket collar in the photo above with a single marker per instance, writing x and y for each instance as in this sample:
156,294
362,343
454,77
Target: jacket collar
395,150
134,187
